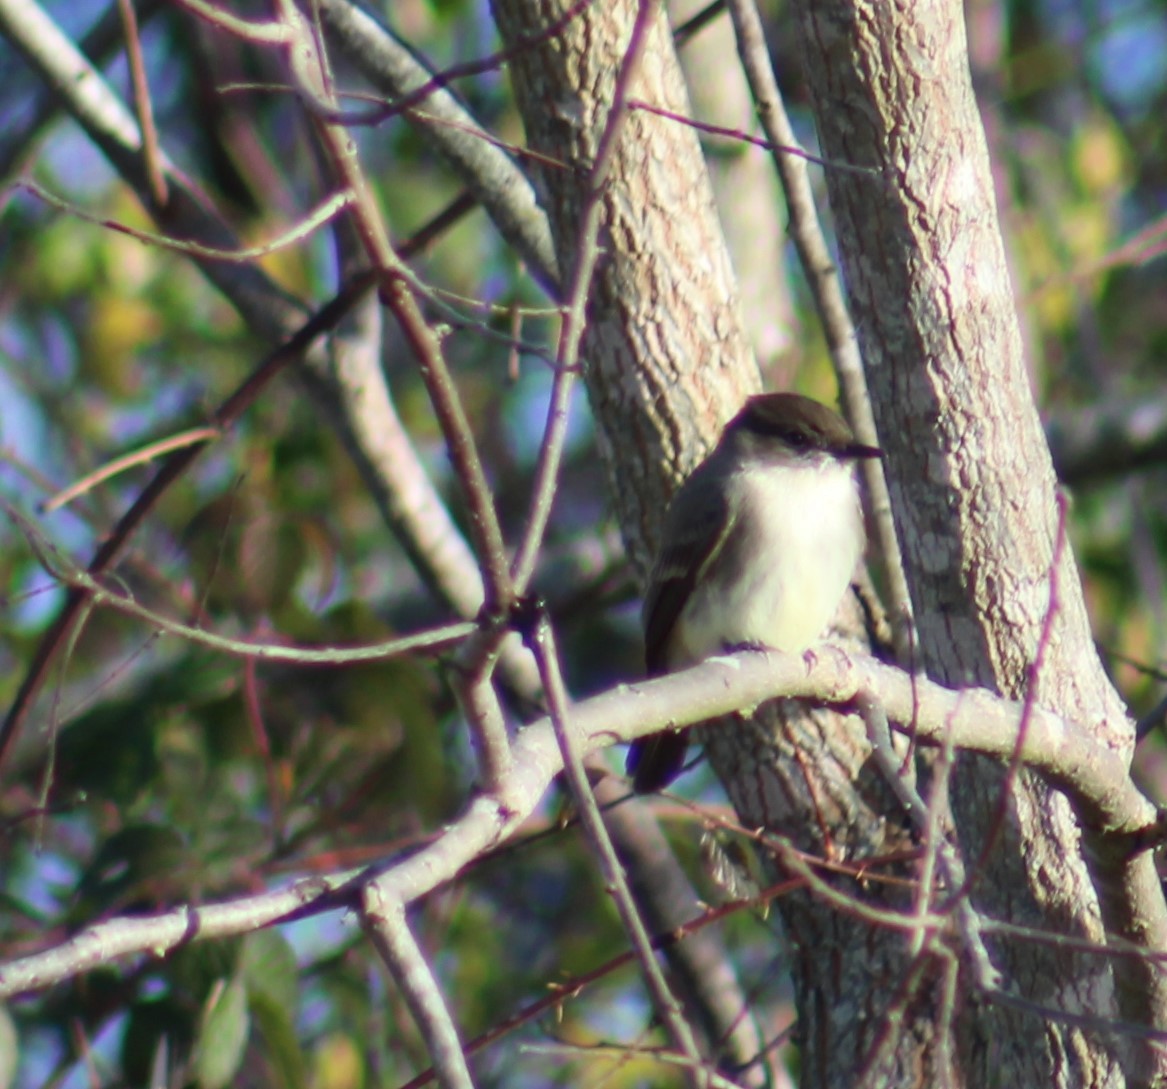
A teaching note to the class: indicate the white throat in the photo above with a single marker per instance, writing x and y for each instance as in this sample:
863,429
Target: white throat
799,537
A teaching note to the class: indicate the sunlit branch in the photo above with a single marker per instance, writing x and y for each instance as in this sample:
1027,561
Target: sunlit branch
383,918
311,222
69,574
978,720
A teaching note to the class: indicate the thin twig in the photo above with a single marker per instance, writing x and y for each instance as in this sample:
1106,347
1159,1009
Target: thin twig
938,819
20,135
667,1007
127,461
713,1079
271,32
84,582
309,71
503,190
253,712
745,138
222,420
439,81
574,315
151,152
689,29
947,857
946,1020
418,515
872,1071
316,218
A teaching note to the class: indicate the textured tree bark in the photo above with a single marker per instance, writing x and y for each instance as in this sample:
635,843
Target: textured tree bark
746,190
666,363
665,355
806,775
974,500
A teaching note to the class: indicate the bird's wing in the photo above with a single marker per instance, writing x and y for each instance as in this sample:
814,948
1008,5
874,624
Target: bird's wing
697,526
656,760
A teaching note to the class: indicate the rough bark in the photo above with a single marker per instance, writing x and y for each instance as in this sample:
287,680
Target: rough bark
667,362
665,355
974,497
806,775
748,196
974,492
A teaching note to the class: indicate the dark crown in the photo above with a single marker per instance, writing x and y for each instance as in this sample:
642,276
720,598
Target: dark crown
801,424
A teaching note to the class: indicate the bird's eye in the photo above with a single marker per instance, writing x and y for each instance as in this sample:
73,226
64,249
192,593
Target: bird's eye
797,439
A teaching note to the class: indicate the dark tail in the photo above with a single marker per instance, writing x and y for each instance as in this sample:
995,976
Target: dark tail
654,762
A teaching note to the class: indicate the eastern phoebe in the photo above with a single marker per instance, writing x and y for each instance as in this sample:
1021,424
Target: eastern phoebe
757,549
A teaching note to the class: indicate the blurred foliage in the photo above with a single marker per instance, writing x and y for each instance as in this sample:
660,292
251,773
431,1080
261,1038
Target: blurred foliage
156,773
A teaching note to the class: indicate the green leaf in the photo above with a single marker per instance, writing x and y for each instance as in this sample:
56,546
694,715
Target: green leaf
277,1027
268,967
9,1048
223,1036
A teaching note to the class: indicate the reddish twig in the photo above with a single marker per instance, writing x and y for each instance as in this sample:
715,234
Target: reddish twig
667,1007
746,138
143,454
309,70
151,152
574,317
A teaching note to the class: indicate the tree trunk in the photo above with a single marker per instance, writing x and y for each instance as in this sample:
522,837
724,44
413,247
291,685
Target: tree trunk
974,498
666,362
665,354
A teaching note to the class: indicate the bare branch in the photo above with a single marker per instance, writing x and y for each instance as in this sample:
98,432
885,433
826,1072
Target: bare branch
144,108
1066,752
308,66
383,918
18,139
503,191
667,1006
578,286
272,32
316,218
359,403
61,568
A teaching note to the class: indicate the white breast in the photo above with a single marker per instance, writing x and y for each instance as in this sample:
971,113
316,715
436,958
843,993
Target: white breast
805,541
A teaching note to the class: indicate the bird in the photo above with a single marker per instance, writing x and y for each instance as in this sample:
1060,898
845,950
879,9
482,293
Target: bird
757,548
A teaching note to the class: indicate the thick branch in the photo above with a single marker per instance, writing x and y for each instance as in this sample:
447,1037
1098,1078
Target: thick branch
1064,751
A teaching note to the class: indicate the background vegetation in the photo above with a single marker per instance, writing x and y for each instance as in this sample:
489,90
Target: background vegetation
154,771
